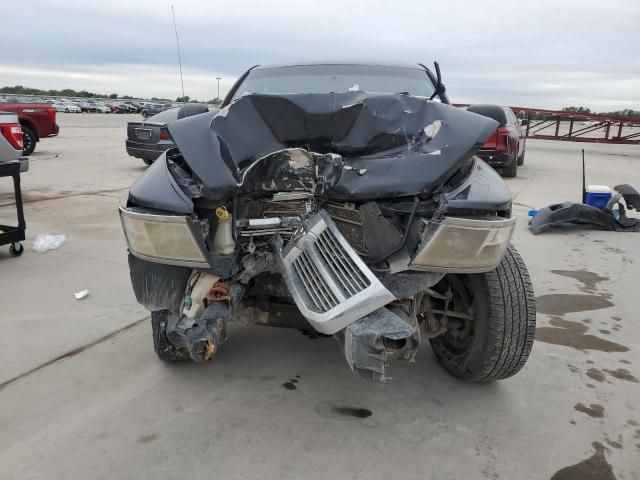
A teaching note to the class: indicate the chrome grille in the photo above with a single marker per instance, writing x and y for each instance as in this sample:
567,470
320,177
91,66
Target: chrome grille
329,282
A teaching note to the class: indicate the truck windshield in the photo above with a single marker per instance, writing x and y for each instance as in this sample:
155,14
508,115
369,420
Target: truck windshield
336,79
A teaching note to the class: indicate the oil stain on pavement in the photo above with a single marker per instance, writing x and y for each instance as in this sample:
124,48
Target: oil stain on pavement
574,334
152,437
342,411
595,467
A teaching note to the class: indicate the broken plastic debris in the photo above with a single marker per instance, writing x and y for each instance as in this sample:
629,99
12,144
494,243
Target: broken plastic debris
44,242
81,294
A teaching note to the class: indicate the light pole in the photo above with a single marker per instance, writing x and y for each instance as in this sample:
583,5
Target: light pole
218,79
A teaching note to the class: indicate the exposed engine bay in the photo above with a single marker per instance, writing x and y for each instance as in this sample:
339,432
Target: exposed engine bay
340,213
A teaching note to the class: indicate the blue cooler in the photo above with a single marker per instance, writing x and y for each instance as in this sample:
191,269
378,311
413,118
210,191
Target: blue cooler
597,195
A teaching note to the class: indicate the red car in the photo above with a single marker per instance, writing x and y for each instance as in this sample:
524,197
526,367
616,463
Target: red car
38,120
505,149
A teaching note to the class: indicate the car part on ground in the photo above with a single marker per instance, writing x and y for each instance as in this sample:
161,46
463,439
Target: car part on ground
353,213
612,217
505,149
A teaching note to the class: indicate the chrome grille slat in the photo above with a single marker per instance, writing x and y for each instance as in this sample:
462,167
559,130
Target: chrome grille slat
325,291
340,273
346,263
314,284
301,274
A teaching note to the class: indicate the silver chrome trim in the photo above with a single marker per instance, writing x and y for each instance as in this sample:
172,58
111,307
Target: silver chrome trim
331,286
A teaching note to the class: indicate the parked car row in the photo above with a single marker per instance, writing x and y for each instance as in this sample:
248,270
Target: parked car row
92,105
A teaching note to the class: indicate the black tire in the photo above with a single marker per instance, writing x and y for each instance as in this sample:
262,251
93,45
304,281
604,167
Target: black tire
165,351
66,110
29,139
504,324
16,249
521,158
511,170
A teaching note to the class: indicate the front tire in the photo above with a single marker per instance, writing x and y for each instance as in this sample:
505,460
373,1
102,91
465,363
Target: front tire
164,350
497,340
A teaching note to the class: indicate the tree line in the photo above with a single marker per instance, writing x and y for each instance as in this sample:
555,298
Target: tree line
69,92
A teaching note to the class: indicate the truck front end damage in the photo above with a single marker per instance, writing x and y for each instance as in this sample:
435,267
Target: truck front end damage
348,214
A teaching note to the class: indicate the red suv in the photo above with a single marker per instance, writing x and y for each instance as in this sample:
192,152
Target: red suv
504,150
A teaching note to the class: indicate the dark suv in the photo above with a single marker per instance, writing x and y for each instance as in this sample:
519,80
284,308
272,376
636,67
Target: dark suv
504,150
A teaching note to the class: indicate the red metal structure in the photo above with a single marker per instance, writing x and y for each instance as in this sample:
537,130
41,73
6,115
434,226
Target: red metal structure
576,126
582,127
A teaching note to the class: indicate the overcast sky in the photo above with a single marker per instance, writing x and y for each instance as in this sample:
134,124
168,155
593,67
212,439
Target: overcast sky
538,53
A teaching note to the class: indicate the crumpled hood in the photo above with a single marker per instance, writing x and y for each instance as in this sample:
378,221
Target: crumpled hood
370,145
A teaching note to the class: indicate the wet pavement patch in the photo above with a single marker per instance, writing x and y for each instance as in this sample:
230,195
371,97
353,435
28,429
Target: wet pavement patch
614,443
594,410
588,279
563,303
595,467
289,386
620,374
574,334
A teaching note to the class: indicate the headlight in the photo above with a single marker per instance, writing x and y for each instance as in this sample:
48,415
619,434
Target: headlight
161,238
463,245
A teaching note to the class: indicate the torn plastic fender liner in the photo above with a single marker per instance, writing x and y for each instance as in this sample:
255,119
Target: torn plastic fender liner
578,213
158,286
382,143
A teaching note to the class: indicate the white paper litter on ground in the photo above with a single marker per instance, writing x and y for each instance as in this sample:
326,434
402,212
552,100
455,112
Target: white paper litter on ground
81,294
44,242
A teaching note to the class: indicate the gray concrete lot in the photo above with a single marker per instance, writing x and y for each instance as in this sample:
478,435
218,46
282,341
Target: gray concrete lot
107,408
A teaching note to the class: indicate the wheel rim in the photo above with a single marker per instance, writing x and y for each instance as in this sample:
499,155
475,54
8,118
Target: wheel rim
460,331
27,141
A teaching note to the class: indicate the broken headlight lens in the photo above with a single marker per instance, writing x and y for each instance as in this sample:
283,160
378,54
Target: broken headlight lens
160,238
464,244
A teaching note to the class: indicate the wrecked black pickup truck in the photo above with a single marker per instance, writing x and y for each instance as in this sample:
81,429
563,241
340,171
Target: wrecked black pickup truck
340,198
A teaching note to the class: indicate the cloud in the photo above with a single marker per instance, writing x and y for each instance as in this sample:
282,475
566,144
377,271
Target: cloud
540,53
